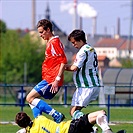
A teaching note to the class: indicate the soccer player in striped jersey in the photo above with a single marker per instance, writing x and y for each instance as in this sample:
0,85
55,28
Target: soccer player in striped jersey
85,73
52,71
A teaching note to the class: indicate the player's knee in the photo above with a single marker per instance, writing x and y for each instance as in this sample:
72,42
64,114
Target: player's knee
28,99
103,112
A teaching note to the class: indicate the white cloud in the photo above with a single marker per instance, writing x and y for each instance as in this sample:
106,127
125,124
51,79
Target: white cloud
66,6
83,9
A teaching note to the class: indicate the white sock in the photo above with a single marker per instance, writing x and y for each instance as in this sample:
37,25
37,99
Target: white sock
101,121
31,106
35,101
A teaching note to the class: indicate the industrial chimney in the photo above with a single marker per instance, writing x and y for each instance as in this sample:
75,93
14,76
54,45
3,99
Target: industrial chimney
117,35
33,14
75,15
93,26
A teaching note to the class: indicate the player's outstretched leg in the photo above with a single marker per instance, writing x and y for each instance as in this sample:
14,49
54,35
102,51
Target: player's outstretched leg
77,114
101,121
44,107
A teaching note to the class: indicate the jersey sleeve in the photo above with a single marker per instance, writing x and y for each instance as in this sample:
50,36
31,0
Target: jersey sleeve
84,55
57,49
80,58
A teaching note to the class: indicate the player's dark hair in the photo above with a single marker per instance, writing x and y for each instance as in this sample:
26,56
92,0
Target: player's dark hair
77,35
22,119
45,24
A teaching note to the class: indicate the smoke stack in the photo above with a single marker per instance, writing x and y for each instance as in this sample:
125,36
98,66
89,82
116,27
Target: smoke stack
33,14
117,35
118,26
93,26
75,15
80,21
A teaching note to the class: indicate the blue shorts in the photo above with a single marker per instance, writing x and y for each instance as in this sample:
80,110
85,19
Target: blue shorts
44,90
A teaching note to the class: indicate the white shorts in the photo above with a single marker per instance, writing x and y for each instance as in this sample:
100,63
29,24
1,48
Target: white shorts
83,96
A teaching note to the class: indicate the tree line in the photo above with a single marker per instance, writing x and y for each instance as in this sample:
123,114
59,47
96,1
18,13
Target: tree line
21,57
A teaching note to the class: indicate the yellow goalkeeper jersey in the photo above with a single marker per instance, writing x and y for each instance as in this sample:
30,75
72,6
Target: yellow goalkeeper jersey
41,124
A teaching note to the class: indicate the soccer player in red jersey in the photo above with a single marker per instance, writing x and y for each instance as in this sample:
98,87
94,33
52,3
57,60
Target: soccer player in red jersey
52,71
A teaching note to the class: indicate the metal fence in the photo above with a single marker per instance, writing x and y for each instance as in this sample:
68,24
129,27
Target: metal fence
15,95
11,94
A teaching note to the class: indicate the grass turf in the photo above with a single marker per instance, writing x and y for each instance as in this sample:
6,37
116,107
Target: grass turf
119,116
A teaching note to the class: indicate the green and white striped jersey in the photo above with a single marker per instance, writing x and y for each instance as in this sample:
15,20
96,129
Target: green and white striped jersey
86,61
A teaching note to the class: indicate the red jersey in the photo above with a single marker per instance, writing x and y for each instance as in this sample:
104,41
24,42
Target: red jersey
54,56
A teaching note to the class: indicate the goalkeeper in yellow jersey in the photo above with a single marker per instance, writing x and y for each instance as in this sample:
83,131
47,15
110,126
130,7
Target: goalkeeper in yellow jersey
41,124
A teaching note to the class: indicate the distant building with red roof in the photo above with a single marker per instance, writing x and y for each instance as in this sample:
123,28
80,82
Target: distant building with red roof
114,48
103,61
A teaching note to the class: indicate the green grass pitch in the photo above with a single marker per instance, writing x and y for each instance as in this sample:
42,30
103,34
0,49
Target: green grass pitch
120,117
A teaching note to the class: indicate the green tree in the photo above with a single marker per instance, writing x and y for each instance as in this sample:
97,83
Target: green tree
2,26
127,63
17,51
68,77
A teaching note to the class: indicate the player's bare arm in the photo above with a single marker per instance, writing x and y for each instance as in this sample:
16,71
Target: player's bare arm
71,68
54,87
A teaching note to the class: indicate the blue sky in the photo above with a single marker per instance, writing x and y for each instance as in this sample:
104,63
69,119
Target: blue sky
17,14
